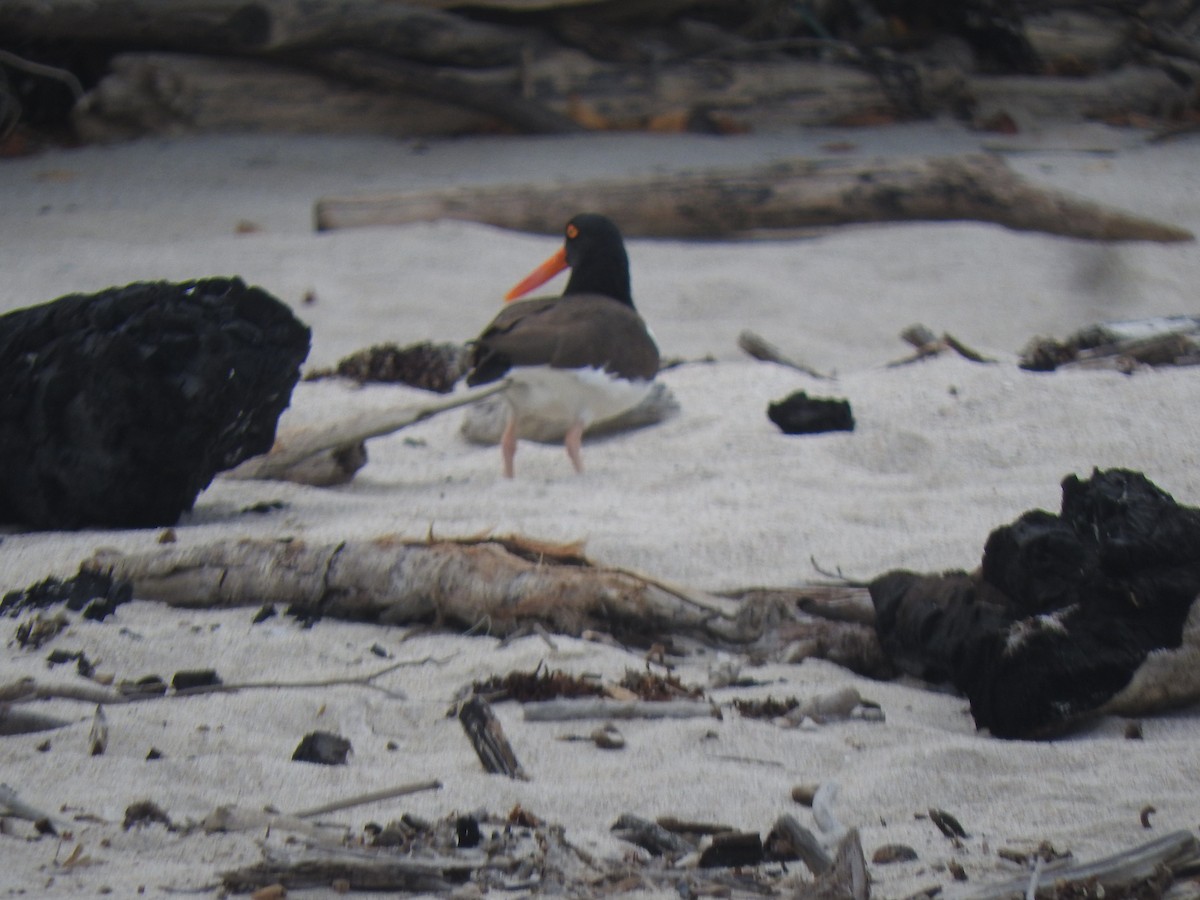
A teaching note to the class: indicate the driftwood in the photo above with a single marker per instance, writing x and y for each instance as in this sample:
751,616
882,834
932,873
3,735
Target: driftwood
1158,341
405,29
1150,866
425,876
331,453
182,93
762,349
451,66
487,737
928,344
564,710
390,580
783,195
788,837
500,584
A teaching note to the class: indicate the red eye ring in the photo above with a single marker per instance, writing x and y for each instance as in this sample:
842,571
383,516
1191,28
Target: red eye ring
572,232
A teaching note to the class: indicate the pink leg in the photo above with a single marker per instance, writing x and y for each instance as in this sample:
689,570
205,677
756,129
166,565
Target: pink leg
574,444
508,446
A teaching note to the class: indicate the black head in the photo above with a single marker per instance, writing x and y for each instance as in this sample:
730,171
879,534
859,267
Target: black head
596,255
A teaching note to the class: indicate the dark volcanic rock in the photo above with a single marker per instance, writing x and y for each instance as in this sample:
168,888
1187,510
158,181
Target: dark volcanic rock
322,747
1063,610
97,594
118,408
799,413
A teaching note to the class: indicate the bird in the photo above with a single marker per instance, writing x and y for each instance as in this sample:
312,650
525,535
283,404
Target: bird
575,359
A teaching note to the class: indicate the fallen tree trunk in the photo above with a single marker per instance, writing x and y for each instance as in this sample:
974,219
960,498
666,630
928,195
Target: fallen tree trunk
792,194
507,583
393,581
179,93
406,30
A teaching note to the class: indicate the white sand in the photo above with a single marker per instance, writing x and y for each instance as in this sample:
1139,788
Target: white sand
717,498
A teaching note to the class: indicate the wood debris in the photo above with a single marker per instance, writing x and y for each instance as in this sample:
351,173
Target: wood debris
487,737
782,195
928,344
1161,341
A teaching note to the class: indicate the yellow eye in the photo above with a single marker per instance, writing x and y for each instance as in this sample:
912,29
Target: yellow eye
572,232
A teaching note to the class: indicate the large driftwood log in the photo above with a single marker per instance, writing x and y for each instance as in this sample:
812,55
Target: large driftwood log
504,584
1143,871
331,453
406,30
782,195
178,93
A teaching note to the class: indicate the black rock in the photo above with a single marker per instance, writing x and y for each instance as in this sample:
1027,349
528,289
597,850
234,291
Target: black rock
96,593
799,413
118,408
1063,611
190,679
466,832
322,747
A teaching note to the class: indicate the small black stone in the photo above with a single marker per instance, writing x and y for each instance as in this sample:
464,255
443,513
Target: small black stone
799,413
195,678
324,748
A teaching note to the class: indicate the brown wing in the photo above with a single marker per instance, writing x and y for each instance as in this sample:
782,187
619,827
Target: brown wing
567,333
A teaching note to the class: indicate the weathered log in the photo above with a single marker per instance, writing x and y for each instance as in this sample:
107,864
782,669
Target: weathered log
389,580
791,840
423,876
781,195
406,30
391,76
173,93
325,454
509,583
650,836
556,92
1124,874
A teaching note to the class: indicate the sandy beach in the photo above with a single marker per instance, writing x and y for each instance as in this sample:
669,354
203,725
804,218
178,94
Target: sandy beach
716,498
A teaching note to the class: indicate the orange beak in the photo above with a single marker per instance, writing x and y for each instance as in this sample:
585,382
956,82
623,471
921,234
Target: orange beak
540,275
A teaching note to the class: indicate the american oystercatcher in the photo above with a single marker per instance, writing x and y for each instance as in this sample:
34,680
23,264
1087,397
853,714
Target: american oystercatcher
575,359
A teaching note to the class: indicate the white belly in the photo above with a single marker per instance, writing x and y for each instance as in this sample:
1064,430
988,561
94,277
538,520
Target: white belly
563,397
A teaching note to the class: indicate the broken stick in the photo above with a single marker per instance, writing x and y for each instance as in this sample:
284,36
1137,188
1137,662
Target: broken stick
487,737
332,453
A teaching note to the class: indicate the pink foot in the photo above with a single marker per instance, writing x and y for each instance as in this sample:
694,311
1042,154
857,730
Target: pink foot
574,444
508,446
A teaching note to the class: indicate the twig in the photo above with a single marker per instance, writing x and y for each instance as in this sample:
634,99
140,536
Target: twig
372,797
34,68
836,575
927,344
699,599
563,710
761,349
26,691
